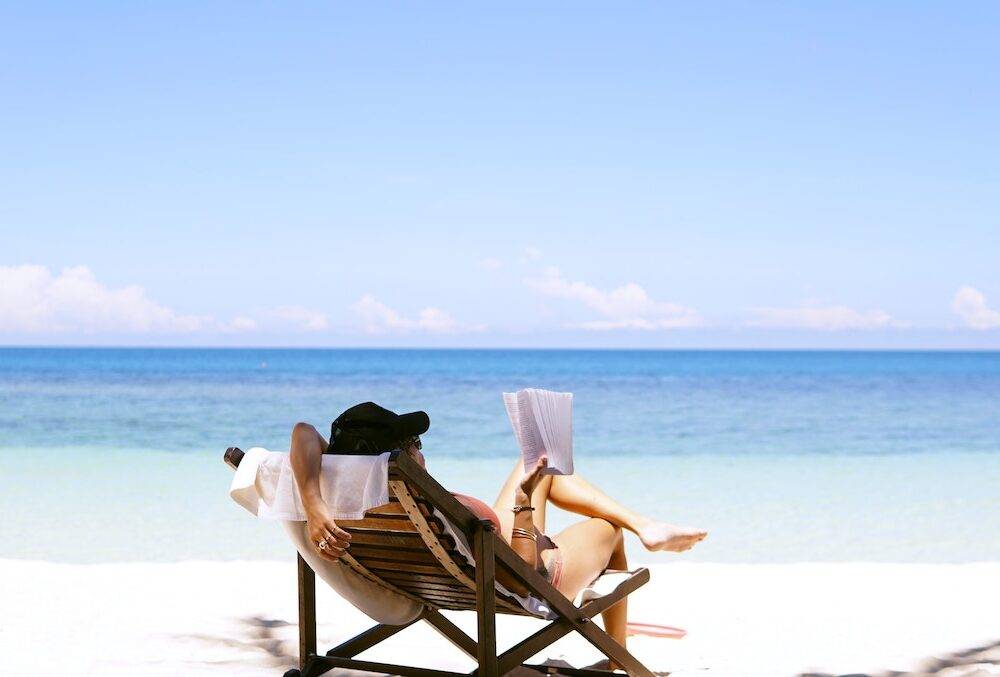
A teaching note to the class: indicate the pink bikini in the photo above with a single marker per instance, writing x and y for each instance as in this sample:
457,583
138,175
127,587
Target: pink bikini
551,571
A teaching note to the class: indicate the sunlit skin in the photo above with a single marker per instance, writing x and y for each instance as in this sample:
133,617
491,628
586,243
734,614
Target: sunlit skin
587,547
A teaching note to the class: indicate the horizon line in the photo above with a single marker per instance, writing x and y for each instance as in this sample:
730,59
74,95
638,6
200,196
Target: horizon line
678,349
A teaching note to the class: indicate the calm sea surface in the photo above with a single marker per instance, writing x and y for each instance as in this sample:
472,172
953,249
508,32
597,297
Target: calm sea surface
114,454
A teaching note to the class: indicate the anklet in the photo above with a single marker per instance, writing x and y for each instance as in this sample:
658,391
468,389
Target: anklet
521,508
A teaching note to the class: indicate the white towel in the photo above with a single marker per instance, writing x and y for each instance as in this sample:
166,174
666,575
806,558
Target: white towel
350,485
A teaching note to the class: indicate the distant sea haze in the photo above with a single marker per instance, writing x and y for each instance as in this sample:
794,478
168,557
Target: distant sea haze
890,456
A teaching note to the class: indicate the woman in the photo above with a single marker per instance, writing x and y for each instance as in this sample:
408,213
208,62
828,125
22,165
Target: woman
569,560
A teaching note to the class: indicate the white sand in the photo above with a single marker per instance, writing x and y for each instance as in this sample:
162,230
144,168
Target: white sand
198,618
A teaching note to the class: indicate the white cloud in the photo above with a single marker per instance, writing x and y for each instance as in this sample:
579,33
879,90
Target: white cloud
625,307
379,318
970,305
491,263
826,318
241,323
297,317
530,254
33,300
294,319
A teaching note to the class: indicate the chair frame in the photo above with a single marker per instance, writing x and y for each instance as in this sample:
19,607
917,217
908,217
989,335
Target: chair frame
491,552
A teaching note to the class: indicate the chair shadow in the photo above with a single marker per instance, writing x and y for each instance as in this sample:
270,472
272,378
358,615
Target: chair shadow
976,661
259,637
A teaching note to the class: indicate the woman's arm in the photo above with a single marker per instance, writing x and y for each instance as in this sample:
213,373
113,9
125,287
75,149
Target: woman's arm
524,518
524,524
307,460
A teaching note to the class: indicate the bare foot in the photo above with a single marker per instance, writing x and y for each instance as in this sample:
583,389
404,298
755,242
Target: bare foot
662,536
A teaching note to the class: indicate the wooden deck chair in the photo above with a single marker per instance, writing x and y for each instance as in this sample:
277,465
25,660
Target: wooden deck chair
403,546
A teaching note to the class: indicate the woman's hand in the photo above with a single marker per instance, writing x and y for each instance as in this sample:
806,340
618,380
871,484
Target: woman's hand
306,454
531,479
329,540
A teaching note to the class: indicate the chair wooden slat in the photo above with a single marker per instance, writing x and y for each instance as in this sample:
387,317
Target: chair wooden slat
390,524
389,565
393,507
392,539
367,573
439,595
418,588
403,576
445,587
454,606
395,554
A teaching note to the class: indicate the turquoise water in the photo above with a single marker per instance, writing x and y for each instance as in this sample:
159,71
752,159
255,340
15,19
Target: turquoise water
114,454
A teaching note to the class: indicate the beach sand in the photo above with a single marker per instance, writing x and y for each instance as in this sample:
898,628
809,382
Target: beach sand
228,618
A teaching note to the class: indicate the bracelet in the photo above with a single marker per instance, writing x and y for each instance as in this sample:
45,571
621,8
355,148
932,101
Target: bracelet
523,533
521,508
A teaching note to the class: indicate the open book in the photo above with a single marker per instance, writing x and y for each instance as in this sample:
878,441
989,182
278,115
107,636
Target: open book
543,424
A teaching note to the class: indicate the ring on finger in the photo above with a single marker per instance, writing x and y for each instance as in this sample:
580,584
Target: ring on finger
323,544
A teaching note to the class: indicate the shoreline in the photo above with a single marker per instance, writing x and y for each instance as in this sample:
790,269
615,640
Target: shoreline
898,508
214,618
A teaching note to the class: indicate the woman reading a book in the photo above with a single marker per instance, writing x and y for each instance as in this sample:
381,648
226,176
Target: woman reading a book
570,560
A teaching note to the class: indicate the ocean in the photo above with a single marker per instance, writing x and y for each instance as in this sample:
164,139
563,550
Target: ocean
115,454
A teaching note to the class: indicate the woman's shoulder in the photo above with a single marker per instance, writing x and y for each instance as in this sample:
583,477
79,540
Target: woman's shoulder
478,508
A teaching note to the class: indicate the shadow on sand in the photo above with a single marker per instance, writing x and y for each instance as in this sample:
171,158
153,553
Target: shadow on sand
261,638
977,661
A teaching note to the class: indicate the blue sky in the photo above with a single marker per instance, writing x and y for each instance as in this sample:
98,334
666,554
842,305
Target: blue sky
565,174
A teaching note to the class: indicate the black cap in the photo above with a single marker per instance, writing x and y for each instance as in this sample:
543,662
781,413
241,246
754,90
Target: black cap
367,428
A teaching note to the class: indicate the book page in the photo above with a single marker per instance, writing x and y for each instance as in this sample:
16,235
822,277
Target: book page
532,447
510,403
542,422
553,417
522,421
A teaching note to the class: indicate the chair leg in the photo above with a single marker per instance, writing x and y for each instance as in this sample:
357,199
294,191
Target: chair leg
307,612
452,633
612,649
368,639
486,644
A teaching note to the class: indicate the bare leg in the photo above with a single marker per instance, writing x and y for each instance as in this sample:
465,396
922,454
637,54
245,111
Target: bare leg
587,549
575,494
616,617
